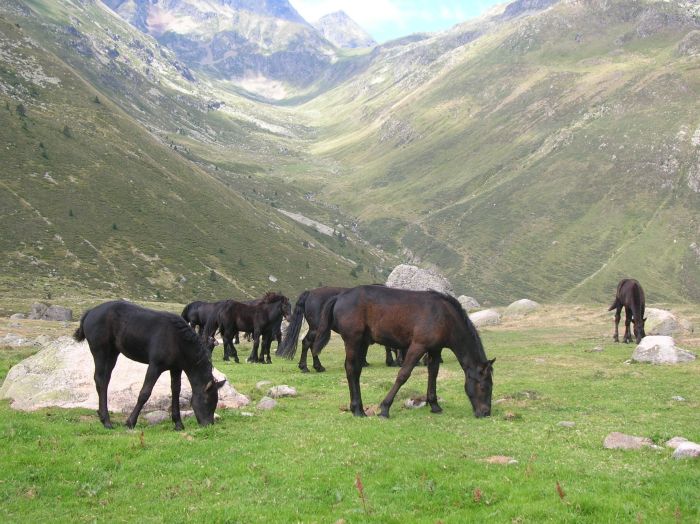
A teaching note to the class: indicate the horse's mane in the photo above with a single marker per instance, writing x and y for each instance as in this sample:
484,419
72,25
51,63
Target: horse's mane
189,335
271,296
467,322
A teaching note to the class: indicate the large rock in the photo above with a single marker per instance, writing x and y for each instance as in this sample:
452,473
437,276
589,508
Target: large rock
487,317
61,375
411,277
468,303
661,322
661,350
39,311
687,450
521,307
617,440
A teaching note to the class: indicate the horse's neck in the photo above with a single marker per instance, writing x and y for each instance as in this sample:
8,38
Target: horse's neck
468,350
199,370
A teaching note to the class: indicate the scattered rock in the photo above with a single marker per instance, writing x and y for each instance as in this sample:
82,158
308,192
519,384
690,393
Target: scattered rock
61,375
616,440
661,350
42,340
675,442
18,316
266,403
596,349
566,424
10,339
521,307
15,325
246,414
37,310
372,411
262,384
282,391
678,398
687,450
500,459
661,322
415,403
405,276
690,44
156,417
468,303
487,317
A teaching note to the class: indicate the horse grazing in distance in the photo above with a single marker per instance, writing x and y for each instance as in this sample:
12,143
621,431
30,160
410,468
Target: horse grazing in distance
422,321
262,318
629,295
197,313
308,307
162,340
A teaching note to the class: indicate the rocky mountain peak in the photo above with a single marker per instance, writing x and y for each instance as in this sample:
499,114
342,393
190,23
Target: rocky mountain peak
341,30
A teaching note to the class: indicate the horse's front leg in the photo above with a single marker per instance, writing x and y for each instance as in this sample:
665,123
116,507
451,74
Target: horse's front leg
433,368
414,353
354,356
389,358
628,319
265,352
152,375
256,343
175,383
232,341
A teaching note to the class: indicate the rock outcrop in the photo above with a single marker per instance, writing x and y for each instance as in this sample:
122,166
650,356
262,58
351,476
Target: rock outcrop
405,276
661,350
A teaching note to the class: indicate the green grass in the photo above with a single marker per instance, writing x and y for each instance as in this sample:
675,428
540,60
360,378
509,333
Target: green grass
299,462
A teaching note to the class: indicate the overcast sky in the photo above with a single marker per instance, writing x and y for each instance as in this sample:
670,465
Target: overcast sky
388,19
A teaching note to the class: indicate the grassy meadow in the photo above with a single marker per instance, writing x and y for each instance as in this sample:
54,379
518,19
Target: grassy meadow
301,461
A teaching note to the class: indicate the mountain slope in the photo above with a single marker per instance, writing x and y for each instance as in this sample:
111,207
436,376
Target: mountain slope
95,201
242,40
544,156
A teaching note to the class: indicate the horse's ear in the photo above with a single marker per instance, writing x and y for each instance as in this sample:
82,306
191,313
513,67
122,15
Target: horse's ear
644,319
209,385
220,384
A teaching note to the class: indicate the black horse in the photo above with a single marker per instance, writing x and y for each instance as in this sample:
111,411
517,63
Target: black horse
308,307
197,313
162,340
422,321
630,295
262,318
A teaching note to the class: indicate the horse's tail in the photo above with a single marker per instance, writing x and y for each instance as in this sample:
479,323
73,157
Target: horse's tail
79,334
288,347
211,325
615,304
323,331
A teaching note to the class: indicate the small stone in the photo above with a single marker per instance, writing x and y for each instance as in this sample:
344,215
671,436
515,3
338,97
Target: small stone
675,442
687,450
266,403
156,417
262,384
414,403
596,349
15,325
566,424
521,307
487,317
678,398
18,316
246,414
282,391
617,440
500,459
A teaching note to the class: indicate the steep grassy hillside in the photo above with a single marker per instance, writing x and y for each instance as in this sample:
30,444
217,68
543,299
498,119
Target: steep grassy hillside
544,156
95,201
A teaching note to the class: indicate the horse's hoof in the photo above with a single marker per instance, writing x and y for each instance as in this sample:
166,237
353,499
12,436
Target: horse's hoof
359,413
226,359
179,426
236,361
108,425
130,425
304,370
435,409
320,369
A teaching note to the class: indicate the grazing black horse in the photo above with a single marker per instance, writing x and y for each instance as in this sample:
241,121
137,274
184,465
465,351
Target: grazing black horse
197,313
308,307
163,341
630,295
262,318
422,321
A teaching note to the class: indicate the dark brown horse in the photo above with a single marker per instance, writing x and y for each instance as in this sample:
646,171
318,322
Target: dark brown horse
308,307
630,295
422,321
163,341
261,317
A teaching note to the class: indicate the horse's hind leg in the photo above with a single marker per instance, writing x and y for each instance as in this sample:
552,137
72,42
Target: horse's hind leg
305,345
616,336
389,358
253,357
152,375
104,364
628,319
413,354
434,361
175,383
265,351
355,354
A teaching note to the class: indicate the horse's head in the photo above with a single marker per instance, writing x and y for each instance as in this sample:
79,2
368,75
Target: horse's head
204,401
211,343
286,309
479,386
639,333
